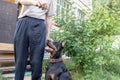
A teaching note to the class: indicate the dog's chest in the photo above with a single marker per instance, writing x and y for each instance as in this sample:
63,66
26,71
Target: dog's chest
56,67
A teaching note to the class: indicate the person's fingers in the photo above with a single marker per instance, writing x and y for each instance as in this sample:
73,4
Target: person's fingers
44,4
48,49
39,3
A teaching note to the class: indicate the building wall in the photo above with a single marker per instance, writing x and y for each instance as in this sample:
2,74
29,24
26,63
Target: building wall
8,18
78,5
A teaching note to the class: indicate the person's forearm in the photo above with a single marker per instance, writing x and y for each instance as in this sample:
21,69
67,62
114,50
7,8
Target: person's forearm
27,2
48,24
39,3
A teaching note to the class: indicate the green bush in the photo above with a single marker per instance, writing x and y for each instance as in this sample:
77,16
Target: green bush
89,41
101,75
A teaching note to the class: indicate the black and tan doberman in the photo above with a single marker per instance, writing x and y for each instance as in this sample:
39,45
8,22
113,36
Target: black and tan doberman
56,69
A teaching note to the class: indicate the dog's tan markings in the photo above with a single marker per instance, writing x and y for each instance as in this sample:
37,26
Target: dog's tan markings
54,52
52,75
50,44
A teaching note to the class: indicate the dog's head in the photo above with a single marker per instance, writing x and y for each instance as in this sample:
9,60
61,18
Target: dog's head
56,47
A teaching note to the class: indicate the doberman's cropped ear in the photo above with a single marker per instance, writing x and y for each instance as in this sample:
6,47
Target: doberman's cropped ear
63,44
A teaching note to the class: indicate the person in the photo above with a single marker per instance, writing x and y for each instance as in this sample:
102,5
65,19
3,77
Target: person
32,31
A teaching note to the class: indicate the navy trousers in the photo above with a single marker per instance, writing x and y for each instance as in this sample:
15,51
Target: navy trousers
30,33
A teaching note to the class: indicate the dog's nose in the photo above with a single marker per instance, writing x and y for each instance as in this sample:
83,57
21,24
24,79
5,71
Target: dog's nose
48,49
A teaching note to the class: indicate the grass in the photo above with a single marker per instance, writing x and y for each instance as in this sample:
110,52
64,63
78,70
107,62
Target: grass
75,75
100,75
95,75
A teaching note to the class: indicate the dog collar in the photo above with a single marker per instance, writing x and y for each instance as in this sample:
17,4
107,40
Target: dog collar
55,60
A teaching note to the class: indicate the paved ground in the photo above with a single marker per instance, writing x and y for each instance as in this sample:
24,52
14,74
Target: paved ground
27,77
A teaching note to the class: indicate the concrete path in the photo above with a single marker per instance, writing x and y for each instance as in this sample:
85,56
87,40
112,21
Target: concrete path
27,77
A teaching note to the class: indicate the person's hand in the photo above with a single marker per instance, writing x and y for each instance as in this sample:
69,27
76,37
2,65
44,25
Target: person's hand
41,4
48,49
44,4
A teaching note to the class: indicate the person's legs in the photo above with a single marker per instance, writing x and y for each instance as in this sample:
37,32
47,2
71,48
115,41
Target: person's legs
20,48
37,39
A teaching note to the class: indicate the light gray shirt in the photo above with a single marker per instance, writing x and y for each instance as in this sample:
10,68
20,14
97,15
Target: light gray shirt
36,12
